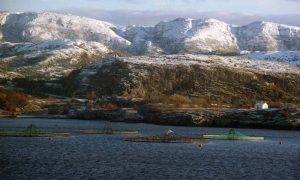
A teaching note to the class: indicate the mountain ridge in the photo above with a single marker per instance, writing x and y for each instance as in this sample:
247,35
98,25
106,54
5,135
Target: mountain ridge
186,34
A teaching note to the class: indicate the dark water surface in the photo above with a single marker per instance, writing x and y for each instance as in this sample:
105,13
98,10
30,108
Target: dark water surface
109,157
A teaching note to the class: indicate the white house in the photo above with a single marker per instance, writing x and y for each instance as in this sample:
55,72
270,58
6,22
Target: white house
260,105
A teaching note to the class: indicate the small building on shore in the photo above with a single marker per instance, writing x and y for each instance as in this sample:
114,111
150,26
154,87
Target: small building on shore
261,105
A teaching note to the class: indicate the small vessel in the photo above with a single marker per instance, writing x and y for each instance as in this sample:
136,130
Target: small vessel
107,129
33,131
168,137
233,135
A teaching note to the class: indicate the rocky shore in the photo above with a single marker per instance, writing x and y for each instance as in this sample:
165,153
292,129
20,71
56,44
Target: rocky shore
279,118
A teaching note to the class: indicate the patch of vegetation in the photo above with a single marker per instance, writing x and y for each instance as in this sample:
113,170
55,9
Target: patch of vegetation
178,101
13,101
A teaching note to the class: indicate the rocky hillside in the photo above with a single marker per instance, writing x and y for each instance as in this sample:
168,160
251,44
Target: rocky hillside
49,58
229,80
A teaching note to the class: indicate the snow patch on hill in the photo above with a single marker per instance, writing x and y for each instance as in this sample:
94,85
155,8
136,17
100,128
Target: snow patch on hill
289,57
52,57
206,61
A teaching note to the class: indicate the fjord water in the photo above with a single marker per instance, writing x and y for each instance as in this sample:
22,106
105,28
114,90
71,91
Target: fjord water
109,157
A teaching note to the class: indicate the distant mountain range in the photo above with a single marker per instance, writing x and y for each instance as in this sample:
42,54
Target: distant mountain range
51,43
179,35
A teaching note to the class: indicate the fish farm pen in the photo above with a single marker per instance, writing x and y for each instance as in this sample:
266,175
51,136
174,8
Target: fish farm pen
164,139
33,131
107,129
108,132
168,137
233,135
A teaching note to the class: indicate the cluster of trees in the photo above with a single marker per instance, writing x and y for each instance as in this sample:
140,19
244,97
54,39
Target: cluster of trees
11,100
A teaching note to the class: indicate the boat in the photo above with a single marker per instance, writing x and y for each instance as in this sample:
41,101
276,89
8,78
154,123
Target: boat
168,137
233,135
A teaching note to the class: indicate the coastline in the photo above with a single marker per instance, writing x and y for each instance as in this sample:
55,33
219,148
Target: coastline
204,118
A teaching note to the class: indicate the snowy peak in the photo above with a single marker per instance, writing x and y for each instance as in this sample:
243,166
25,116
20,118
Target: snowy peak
37,27
267,36
183,35
189,35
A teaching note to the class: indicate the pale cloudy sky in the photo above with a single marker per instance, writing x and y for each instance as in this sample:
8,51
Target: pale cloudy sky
148,12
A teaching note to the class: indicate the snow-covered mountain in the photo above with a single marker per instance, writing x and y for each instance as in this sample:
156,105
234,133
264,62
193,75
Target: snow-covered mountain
267,36
37,27
213,36
183,36
169,37
55,44
53,58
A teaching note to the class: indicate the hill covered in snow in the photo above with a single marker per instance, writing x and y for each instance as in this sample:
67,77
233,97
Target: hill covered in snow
214,37
53,58
182,35
37,27
289,57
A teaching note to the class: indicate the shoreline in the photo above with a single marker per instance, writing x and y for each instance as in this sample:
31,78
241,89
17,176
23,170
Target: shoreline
154,123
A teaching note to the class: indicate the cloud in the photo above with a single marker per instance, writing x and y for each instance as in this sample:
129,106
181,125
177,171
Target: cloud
126,17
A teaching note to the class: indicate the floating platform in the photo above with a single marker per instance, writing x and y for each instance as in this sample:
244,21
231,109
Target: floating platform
27,134
33,131
233,135
108,132
167,139
107,129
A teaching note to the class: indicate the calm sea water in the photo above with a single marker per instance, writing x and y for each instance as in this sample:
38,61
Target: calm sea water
109,157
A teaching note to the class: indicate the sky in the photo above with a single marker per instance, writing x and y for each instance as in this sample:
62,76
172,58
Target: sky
149,12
